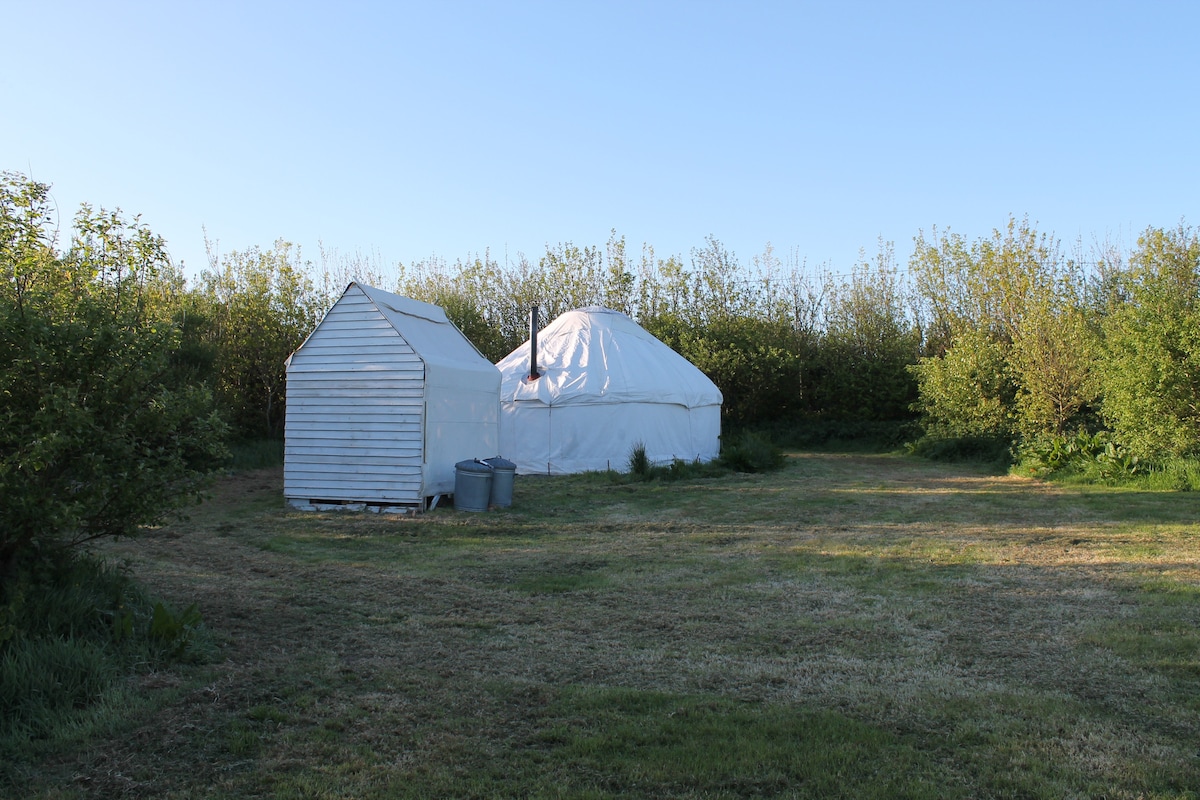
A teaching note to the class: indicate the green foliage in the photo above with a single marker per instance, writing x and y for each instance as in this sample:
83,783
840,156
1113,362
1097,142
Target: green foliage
1172,475
995,451
1012,349
174,632
249,454
987,285
1051,364
751,452
1150,369
1043,456
1093,455
44,680
639,462
97,436
757,364
642,469
68,630
859,370
967,391
260,305
862,435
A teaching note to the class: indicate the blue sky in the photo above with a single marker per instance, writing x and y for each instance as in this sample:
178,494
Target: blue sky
408,130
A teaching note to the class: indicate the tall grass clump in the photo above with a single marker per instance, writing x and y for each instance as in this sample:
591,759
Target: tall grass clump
639,462
69,630
1179,475
641,468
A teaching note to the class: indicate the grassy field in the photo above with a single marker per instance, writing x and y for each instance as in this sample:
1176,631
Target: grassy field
853,626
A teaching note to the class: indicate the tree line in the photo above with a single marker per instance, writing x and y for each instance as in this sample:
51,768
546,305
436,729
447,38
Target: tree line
114,366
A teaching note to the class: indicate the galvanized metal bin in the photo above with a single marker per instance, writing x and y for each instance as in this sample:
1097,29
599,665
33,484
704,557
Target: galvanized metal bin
503,472
472,485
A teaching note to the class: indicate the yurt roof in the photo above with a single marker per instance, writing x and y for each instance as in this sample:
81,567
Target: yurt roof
596,355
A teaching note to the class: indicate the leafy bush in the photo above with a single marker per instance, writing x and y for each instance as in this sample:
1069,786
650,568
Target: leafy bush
751,452
1043,456
1150,366
1092,455
858,435
98,436
991,450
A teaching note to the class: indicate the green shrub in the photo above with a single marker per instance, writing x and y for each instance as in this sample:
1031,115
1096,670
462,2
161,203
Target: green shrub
1043,456
992,450
751,452
826,434
1094,456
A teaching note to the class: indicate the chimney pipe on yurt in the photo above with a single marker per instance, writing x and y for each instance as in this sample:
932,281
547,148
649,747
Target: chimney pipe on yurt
533,332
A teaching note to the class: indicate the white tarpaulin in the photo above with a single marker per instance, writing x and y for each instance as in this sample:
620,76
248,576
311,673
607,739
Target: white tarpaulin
606,385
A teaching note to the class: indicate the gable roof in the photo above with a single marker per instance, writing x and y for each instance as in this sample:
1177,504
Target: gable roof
449,357
425,327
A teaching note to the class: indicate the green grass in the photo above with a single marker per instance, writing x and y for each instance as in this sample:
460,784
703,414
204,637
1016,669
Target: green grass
852,626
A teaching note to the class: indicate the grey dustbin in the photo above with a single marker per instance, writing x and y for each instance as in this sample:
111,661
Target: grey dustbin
503,471
472,485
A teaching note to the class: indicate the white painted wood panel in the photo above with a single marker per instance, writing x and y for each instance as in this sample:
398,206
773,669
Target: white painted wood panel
351,488
355,410
321,390
350,450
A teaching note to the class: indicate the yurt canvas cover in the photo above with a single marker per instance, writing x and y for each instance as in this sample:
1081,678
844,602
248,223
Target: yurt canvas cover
383,398
606,385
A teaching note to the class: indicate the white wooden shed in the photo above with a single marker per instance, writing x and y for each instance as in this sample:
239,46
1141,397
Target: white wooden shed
384,397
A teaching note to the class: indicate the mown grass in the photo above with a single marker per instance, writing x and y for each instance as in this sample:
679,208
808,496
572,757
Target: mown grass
853,626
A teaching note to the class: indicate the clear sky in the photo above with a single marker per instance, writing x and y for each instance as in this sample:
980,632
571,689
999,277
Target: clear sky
413,129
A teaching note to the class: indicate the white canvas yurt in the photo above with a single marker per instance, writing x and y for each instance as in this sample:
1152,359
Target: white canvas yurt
605,385
383,399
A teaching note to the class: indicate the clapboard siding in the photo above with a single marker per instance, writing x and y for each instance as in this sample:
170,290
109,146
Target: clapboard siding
334,358
308,391
355,410
348,451
353,492
405,437
366,414
345,381
320,478
356,428
340,330
309,415
316,460
330,486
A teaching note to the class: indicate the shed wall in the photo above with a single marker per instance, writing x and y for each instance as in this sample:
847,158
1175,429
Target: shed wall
355,405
